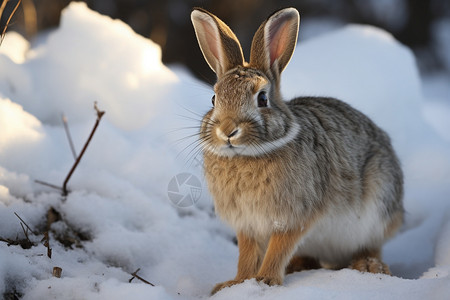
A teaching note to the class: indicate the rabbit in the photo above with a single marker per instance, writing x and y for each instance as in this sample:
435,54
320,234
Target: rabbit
305,183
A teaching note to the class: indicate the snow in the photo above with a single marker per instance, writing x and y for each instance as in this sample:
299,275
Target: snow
119,199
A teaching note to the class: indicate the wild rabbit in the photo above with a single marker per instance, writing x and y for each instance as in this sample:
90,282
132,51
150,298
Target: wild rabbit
307,183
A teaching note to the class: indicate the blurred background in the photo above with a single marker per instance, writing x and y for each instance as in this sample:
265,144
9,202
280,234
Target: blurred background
422,25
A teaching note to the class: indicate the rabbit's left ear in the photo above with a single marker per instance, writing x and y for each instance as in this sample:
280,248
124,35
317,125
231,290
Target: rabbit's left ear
218,43
274,42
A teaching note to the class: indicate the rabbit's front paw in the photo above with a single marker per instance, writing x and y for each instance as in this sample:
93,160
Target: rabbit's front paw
225,284
270,280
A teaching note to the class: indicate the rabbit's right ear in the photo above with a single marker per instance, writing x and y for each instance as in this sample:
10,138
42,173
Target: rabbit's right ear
218,43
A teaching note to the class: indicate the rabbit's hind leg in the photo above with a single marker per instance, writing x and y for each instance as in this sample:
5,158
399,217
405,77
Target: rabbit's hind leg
369,261
301,263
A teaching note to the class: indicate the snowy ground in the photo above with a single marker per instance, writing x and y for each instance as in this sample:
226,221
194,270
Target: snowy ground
119,202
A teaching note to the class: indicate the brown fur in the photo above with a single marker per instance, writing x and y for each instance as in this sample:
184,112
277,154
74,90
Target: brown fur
301,263
271,272
280,249
394,225
250,257
369,261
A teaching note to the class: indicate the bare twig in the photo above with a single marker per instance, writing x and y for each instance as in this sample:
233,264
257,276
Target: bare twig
24,243
100,113
46,241
2,8
25,232
97,122
29,228
27,243
64,189
69,137
135,275
53,186
9,242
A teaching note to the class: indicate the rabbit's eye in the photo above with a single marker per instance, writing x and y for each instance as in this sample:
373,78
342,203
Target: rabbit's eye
262,99
213,100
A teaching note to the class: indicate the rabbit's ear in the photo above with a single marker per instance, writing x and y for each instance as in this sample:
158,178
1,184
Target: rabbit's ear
274,42
218,43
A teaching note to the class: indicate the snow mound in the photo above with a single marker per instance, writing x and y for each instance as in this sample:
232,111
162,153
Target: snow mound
15,47
119,210
17,125
382,78
109,63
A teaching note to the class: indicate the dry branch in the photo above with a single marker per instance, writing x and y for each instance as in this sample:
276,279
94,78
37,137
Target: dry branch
99,117
21,220
25,243
53,186
10,242
69,137
46,241
2,9
25,232
135,275
64,189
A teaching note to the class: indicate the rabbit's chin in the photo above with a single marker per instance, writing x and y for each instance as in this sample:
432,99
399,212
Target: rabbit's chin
239,151
229,151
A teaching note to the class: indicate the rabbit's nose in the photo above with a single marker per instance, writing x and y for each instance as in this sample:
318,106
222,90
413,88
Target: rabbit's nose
227,129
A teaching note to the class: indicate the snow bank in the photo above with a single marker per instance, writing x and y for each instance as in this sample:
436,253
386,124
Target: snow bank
119,201
364,66
115,67
15,47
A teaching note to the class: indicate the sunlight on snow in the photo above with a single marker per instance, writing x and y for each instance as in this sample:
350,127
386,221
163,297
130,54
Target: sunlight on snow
17,125
15,47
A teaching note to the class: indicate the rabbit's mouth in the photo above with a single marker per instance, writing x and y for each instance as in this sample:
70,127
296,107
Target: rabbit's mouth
230,150
229,144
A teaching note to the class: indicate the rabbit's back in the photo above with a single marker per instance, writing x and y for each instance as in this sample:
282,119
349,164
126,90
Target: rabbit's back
347,147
